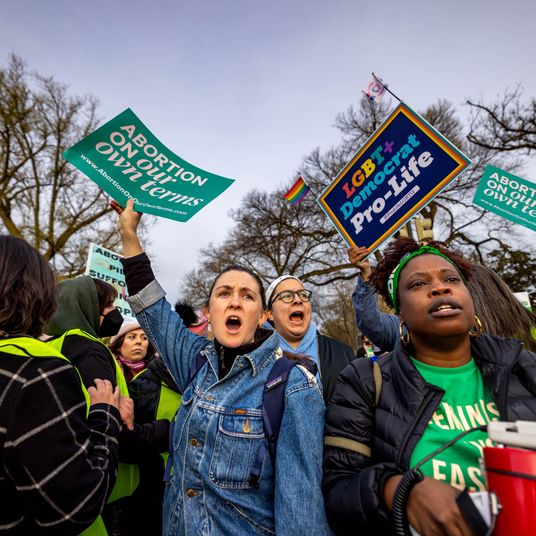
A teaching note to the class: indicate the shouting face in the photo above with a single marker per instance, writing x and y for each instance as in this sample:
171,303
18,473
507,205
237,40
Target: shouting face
235,308
291,320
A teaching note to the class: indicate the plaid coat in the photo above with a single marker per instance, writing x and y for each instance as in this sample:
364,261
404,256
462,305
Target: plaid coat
57,462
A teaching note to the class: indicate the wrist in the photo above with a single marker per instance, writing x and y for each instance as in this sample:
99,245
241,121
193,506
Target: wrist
131,245
389,490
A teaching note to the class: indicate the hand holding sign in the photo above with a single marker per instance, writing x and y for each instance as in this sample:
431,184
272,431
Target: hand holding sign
356,256
127,225
398,171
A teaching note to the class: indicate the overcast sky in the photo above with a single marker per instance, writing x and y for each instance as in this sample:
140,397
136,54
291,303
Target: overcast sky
246,88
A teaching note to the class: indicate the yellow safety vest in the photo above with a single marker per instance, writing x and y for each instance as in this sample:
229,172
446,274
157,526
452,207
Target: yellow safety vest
168,404
128,475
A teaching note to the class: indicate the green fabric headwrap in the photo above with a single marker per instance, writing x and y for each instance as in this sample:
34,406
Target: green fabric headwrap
392,282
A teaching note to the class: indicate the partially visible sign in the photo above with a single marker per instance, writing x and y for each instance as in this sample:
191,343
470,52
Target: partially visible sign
523,298
106,265
399,170
508,196
128,162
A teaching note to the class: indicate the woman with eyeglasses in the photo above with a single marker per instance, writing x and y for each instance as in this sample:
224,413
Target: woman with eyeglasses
222,481
290,310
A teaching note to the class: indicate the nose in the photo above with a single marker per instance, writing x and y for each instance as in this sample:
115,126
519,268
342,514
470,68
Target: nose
297,298
235,301
440,289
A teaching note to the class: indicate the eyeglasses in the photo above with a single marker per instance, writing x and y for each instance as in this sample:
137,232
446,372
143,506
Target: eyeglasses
287,296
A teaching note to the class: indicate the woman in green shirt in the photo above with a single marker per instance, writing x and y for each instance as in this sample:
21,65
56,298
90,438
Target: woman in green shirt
445,377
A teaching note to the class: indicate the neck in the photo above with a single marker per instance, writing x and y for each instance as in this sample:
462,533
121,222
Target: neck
447,354
294,343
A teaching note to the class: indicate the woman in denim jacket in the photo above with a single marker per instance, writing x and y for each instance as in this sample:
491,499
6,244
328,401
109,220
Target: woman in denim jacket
219,426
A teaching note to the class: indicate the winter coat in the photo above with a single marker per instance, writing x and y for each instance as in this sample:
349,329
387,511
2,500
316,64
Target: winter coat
57,466
219,431
333,357
381,438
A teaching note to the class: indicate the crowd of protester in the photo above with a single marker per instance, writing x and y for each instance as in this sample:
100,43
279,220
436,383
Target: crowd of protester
243,418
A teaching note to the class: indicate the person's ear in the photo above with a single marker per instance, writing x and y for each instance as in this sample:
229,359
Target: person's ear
264,316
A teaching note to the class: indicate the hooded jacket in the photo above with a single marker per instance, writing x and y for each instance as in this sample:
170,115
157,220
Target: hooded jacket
78,308
386,434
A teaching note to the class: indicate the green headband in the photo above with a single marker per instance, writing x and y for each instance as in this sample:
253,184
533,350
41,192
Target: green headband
392,282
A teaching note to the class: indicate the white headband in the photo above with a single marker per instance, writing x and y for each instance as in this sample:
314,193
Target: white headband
274,284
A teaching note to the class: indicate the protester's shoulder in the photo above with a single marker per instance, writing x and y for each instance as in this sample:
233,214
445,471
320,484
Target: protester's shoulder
39,373
358,375
76,345
301,377
335,344
32,356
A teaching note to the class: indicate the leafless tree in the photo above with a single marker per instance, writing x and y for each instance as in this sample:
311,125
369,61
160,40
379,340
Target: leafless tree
508,125
274,237
43,199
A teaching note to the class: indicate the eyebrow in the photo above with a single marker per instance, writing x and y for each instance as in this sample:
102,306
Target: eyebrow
241,289
442,271
289,289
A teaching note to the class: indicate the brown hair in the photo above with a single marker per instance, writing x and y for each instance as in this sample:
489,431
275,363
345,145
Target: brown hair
240,268
28,292
498,309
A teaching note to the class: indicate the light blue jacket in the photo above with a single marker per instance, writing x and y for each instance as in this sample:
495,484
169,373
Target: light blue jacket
218,433
381,328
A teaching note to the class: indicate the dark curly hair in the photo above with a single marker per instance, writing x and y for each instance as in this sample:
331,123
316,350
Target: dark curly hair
396,250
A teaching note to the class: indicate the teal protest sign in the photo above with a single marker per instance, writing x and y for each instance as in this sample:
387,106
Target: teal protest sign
508,196
106,265
128,162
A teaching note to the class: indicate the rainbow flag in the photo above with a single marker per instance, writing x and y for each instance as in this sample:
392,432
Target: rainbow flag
297,192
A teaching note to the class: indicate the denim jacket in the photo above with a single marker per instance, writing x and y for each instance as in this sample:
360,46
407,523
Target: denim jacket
219,430
381,328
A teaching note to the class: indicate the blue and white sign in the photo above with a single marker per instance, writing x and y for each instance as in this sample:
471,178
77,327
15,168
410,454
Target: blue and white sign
399,170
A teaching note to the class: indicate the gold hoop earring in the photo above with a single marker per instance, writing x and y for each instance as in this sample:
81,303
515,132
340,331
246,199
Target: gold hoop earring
404,337
478,328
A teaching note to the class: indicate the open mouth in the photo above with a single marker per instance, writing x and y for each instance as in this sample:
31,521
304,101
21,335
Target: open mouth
296,317
233,324
445,308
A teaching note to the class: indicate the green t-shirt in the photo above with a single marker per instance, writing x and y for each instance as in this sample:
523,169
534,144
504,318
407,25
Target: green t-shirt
467,403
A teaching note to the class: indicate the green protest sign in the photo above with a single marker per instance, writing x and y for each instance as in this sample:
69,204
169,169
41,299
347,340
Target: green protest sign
128,162
508,196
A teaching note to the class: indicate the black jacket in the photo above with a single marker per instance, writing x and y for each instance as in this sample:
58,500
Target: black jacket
353,481
333,357
47,438
145,390
94,360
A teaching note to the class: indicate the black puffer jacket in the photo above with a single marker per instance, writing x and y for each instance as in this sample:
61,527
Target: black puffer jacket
380,438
